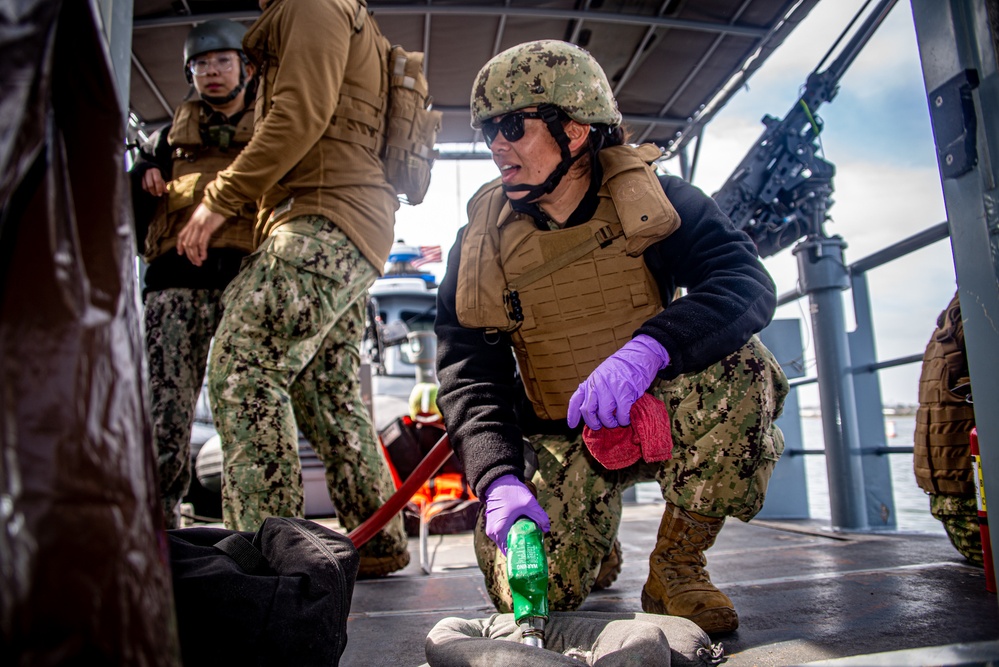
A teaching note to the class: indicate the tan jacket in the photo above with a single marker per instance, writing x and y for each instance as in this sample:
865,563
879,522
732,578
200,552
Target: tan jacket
194,165
309,53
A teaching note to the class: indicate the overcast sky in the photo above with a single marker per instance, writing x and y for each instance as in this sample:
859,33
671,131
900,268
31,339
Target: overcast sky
877,133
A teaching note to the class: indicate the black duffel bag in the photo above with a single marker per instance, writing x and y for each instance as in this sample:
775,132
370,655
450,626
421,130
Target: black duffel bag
277,597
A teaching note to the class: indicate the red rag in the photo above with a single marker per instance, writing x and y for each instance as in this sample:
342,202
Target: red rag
648,437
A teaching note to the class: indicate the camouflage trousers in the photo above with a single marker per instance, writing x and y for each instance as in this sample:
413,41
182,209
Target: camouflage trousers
287,357
959,516
725,447
179,326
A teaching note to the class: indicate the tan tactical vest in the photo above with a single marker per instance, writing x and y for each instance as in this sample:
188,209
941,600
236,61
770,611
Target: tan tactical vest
942,455
571,297
366,107
194,167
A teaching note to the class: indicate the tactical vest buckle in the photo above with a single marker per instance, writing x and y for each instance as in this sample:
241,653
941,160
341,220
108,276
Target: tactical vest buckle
604,236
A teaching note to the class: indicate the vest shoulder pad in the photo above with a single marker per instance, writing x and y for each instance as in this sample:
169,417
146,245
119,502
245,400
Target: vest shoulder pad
489,200
646,213
186,129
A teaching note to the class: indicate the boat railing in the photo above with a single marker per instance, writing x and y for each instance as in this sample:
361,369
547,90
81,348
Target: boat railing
847,372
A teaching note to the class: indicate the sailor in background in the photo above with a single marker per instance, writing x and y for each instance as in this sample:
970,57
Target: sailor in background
183,302
944,420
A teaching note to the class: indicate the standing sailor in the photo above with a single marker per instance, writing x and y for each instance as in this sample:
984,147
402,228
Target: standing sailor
287,352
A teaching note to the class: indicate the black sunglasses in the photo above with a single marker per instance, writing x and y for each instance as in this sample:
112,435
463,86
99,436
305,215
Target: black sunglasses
512,126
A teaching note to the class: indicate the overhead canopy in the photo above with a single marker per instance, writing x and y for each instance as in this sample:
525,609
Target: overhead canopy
673,63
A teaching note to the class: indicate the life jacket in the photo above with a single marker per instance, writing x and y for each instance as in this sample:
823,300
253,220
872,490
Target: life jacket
569,297
944,419
443,486
445,502
195,164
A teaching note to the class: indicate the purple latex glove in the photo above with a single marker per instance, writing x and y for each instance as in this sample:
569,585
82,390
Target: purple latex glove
507,499
605,398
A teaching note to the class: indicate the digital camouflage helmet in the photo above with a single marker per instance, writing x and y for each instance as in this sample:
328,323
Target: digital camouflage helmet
547,71
563,81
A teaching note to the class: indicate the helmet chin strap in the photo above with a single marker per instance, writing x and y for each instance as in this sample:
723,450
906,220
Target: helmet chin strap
549,114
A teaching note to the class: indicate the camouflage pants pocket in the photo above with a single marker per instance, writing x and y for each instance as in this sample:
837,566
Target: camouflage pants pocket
288,297
270,308
726,443
253,491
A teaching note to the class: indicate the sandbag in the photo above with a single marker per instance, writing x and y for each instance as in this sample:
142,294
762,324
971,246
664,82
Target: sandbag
277,597
602,639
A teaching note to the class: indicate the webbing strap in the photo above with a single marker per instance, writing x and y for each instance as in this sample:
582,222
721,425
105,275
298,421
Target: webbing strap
944,439
399,149
241,550
358,93
352,113
937,462
600,238
354,137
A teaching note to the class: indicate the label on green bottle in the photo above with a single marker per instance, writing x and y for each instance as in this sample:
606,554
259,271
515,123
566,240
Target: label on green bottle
527,570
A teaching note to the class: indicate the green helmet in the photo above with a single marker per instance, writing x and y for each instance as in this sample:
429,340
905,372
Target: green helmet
214,35
546,71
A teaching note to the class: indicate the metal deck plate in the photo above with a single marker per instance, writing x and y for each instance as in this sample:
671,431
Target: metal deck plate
803,594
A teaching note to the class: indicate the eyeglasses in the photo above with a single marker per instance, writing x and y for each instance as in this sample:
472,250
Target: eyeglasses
200,66
512,126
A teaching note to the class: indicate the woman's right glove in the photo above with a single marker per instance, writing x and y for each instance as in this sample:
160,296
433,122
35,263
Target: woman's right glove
507,499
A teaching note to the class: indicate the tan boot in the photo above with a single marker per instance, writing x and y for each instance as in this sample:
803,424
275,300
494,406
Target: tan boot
678,584
610,567
373,567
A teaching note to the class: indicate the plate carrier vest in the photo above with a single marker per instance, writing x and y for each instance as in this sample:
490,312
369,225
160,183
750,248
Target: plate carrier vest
570,297
195,165
944,419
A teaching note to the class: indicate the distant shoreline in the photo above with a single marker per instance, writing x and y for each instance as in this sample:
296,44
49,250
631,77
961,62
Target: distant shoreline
894,411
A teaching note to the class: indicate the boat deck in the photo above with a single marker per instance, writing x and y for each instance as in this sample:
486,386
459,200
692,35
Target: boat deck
804,594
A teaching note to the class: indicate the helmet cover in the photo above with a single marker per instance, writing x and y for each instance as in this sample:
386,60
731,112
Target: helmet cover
544,71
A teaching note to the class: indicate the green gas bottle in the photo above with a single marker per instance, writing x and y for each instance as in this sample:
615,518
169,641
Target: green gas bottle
527,572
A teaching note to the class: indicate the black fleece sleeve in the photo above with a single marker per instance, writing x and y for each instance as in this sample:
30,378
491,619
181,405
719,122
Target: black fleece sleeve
155,153
477,375
729,294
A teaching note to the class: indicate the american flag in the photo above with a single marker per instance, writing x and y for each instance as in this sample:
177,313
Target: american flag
428,255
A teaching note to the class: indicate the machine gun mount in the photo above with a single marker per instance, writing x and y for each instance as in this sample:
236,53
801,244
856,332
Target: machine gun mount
781,190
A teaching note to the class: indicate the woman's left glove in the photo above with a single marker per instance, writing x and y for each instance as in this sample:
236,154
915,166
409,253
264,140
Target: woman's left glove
605,398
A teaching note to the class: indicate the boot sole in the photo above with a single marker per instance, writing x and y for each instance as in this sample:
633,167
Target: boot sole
373,568
719,620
